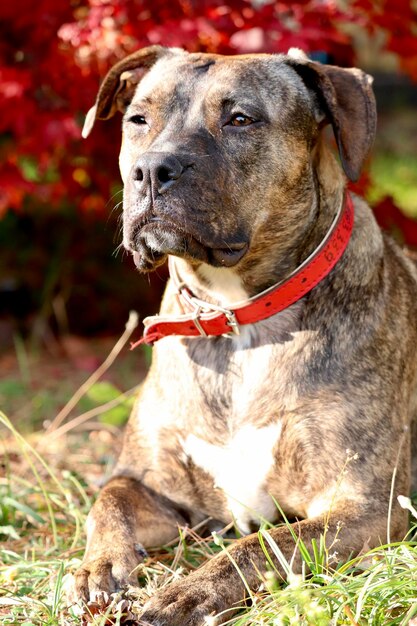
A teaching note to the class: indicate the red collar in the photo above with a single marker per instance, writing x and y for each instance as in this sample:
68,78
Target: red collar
206,320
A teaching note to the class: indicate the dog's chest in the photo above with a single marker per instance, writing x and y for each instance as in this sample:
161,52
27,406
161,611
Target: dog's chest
239,468
248,379
231,400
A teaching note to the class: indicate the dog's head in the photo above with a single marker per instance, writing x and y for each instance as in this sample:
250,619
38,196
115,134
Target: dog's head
220,153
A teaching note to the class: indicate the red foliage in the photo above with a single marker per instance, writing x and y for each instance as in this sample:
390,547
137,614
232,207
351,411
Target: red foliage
391,219
53,53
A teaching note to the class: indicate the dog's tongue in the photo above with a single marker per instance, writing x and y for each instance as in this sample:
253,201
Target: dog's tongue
145,264
227,257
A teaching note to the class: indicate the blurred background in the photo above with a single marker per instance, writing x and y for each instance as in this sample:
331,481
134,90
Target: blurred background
65,293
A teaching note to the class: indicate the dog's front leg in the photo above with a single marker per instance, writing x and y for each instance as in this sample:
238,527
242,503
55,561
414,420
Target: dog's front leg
126,518
218,586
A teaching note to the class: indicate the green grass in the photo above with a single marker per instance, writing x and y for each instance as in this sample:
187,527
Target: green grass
396,176
43,506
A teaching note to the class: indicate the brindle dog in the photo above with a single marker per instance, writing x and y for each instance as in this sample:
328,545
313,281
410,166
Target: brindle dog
225,168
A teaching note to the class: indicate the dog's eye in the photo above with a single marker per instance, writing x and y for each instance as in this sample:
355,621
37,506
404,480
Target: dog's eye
239,119
137,119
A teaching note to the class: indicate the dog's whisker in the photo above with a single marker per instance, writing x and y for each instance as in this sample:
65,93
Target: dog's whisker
116,207
117,193
200,156
119,248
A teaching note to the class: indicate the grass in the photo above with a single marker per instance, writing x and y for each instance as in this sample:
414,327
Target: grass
47,512
43,505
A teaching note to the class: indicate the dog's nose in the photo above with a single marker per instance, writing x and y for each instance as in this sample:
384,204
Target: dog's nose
157,170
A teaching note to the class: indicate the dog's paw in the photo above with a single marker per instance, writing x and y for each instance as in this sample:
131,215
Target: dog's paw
182,604
104,573
200,599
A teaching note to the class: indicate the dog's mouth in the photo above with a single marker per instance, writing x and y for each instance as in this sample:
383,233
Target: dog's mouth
158,238
228,256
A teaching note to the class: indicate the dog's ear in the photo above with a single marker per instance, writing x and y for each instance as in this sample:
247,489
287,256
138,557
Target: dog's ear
347,102
118,87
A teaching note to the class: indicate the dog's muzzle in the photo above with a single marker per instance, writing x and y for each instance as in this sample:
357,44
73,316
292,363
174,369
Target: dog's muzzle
159,237
168,225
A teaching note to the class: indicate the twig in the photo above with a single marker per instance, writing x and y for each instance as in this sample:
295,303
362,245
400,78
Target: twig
349,615
63,414
394,476
84,417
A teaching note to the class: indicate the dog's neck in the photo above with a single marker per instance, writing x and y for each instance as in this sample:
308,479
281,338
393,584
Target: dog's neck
217,285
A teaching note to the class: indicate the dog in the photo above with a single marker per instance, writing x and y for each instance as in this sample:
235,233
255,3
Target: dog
284,367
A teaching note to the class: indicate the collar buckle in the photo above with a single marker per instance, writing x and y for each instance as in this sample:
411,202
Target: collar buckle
196,321
232,321
201,306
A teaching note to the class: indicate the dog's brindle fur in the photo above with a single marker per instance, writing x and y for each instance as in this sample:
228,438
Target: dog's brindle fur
225,426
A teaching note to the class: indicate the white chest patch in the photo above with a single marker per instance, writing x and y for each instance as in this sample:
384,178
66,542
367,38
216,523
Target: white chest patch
224,284
240,468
